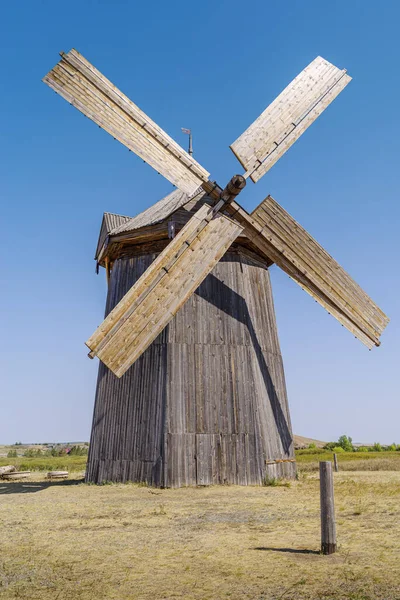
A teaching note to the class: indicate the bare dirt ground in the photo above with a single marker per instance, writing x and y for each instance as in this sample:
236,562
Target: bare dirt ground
68,540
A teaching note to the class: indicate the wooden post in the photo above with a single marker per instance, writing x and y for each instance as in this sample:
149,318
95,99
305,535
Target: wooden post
328,526
335,462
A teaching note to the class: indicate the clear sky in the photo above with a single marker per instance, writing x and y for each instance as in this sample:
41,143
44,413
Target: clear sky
212,66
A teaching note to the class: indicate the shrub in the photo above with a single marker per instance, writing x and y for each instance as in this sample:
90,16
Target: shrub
312,445
337,450
362,449
31,452
346,443
12,454
377,447
330,446
78,451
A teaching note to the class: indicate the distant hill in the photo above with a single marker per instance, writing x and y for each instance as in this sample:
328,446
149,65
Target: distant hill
304,442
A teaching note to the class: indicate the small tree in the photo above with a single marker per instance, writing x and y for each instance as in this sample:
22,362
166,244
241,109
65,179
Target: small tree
377,447
30,453
346,443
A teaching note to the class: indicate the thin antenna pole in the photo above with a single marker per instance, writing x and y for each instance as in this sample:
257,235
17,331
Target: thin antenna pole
190,144
189,132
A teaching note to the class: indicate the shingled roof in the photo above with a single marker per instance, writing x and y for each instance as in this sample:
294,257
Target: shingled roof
155,214
110,221
114,224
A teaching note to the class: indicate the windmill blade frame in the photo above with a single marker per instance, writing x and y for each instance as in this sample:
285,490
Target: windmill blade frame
81,84
299,255
288,116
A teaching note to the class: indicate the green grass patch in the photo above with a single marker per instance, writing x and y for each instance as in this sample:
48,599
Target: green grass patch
46,463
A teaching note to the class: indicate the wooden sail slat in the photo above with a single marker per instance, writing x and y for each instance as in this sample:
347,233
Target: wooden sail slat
157,296
267,240
282,115
288,140
289,115
89,91
334,277
314,254
318,271
115,123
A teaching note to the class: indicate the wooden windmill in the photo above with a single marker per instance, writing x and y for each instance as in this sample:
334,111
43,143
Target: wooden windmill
191,386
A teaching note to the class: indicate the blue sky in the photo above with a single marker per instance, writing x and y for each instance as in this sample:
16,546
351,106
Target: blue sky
212,66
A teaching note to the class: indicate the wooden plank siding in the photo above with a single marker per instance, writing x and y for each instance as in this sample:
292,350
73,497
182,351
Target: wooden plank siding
81,84
206,403
156,297
289,115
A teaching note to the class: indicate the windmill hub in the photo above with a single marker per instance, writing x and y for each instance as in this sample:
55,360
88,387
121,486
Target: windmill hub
191,387
233,188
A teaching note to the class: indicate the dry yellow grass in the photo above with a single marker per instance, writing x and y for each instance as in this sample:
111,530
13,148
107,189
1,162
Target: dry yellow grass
74,541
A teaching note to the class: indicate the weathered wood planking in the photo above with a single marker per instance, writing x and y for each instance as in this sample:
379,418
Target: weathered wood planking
320,268
157,296
307,263
81,84
289,115
206,403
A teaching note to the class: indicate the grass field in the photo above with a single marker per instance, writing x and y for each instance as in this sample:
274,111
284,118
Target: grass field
69,540
308,460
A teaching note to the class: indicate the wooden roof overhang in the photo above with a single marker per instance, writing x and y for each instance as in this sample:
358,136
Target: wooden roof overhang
150,230
154,238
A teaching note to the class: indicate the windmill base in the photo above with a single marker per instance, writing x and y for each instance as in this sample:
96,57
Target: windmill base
206,403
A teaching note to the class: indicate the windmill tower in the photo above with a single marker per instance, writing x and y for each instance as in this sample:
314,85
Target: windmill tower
191,386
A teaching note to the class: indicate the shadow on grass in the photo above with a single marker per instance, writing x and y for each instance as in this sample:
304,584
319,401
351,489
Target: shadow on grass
289,550
28,487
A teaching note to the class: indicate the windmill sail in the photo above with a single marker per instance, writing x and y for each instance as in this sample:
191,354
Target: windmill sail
166,285
289,115
81,84
293,249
